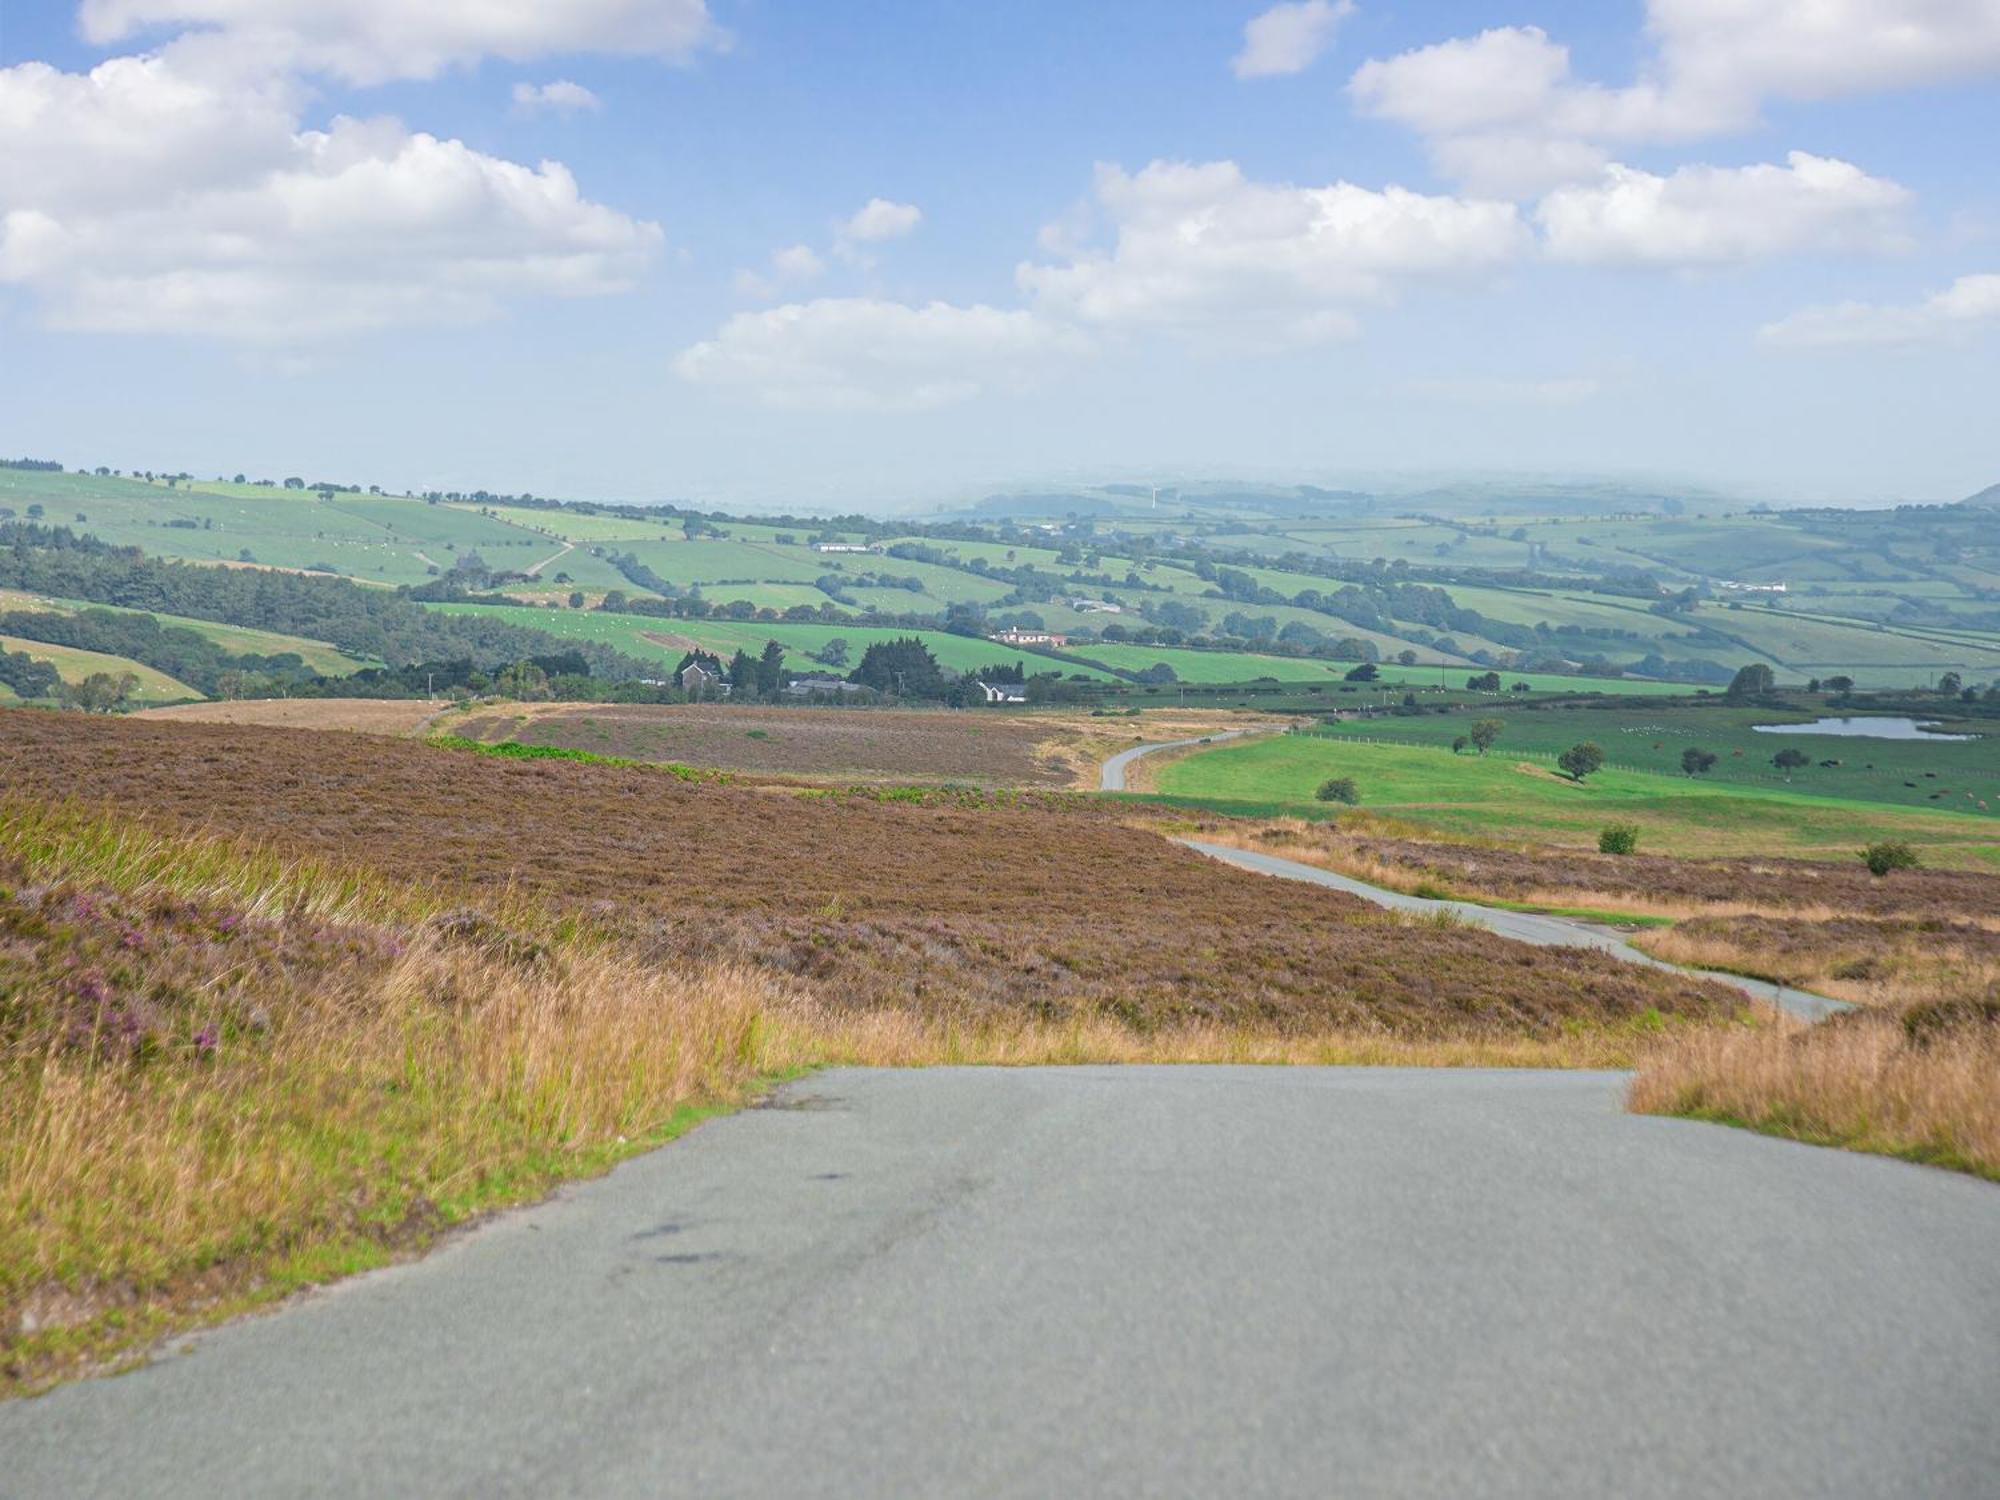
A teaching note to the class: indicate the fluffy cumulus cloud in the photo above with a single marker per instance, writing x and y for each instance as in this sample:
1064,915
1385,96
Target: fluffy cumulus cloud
857,353
373,41
880,219
140,198
1202,247
1970,305
1289,38
1503,113
1710,216
559,97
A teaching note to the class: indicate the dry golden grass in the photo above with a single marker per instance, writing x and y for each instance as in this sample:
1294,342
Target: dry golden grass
1867,1081
401,716
1874,964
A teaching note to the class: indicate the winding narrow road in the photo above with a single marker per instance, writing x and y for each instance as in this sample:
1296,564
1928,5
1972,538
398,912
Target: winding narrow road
1524,927
1111,775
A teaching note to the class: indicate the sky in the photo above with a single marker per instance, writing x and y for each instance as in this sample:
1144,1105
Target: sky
893,255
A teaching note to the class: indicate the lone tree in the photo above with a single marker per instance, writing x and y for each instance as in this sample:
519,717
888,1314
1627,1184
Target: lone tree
1697,762
1789,760
1458,744
1581,760
1752,681
1485,732
1364,673
1339,789
1485,682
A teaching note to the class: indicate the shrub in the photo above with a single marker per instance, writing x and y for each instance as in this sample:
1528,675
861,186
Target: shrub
1882,858
1619,838
1339,789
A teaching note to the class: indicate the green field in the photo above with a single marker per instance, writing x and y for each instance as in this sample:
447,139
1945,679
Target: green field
74,665
1963,775
321,657
1517,801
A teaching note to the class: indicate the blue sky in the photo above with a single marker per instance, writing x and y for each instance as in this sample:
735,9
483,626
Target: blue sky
901,253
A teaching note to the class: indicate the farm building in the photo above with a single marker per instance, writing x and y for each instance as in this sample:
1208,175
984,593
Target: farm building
1029,638
703,679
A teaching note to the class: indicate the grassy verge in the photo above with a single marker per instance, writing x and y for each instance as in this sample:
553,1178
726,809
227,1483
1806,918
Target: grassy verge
1919,1085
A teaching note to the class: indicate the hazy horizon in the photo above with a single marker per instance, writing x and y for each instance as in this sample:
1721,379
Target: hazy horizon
781,255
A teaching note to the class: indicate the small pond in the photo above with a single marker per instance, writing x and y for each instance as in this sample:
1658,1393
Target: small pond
1869,727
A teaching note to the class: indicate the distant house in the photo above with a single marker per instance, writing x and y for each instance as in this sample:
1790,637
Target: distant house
1096,607
1004,692
845,547
805,687
1753,588
1029,638
702,679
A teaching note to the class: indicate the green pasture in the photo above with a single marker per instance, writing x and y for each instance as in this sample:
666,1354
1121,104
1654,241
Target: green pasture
1513,800
1939,773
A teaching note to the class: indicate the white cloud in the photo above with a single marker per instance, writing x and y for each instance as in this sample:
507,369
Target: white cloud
1969,305
1503,114
1736,54
558,97
855,353
792,266
1707,216
1203,247
137,199
133,127
880,219
1289,38
373,41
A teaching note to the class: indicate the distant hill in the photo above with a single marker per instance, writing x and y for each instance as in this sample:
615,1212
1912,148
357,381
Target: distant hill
1986,499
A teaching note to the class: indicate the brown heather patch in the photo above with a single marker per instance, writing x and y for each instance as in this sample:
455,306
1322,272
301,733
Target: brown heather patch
958,912
1922,1084
991,749
1644,885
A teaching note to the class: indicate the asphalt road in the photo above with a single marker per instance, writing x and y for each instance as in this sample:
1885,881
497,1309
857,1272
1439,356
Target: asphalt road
1523,927
1124,1281
1111,775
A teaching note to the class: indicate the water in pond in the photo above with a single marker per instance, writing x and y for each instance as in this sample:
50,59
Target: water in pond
1871,727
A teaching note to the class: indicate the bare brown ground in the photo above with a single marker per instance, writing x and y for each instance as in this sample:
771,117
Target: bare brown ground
359,715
